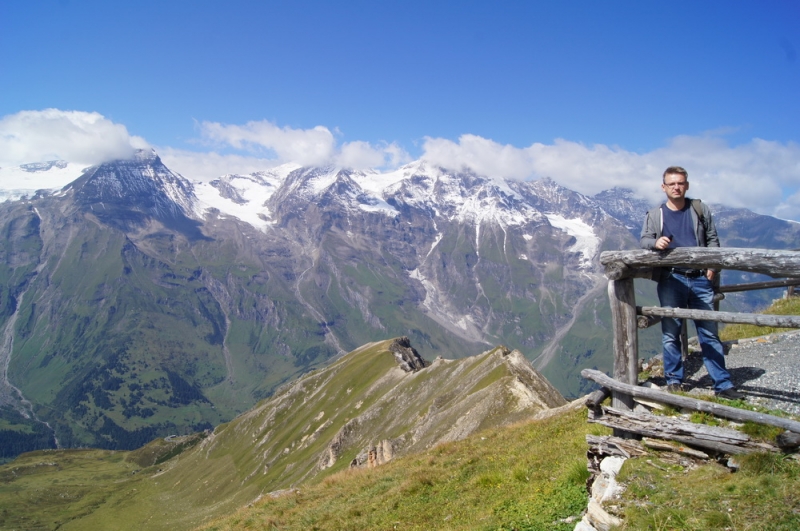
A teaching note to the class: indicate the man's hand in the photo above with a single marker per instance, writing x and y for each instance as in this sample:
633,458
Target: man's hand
662,243
710,274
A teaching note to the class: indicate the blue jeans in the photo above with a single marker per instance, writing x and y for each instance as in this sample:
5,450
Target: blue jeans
679,291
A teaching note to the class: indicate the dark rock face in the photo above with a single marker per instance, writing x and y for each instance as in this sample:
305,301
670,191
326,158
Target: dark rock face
125,194
406,355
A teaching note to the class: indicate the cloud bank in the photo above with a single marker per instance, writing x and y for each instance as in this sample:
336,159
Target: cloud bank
82,137
269,145
761,175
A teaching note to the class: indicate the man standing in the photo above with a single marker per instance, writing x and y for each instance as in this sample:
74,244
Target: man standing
683,222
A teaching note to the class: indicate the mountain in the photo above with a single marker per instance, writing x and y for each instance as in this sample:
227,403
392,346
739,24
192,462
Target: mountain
375,404
136,304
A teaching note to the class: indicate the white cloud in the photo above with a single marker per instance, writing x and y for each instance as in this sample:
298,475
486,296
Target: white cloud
363,155
304,146
52,134
207,166
311,147
761,175
481,155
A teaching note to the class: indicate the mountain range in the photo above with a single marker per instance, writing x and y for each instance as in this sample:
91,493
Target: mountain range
135,303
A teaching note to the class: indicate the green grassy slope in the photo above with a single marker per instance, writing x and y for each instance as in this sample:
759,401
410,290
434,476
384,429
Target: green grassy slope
308,430
529,476
502,476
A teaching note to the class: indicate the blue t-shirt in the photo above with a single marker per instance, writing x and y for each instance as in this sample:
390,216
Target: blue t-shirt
678,225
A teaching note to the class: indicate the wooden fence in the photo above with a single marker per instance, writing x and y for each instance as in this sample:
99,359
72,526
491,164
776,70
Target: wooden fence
621,268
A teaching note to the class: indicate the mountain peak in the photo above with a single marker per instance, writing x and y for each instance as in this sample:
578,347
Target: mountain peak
125,193
147,156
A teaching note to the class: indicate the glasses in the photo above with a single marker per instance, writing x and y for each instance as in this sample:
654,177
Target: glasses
681,184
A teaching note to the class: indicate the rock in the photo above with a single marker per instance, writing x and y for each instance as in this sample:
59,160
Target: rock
605,485
599,519
407,357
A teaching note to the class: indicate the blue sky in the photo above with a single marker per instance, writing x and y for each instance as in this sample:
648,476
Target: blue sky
593,94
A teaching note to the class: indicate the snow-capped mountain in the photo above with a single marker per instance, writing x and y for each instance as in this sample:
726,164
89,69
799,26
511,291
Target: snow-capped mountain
25,181
136,303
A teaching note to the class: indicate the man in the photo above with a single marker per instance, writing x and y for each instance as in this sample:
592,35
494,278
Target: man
683,222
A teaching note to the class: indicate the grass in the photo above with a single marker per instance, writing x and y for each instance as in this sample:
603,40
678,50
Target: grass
517,478
788,306
529,476
507,478
510,478
763,495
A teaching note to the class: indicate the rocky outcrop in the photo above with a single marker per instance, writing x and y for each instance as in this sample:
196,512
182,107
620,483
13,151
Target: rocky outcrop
407,357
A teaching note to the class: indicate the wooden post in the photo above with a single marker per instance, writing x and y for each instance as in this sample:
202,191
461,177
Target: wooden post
626,337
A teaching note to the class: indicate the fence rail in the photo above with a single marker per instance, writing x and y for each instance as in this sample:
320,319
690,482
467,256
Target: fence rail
621,267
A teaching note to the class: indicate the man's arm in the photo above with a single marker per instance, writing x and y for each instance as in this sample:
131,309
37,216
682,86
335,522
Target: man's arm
649,235
712,238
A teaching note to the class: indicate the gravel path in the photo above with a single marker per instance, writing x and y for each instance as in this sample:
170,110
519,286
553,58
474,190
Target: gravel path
766,369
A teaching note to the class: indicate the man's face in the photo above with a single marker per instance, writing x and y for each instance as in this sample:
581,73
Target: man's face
675,185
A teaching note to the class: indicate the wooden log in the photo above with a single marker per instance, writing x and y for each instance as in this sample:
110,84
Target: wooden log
626,339
731,288
665,446
646,321
594,398
685,402
713,438
610,445
759,319
619,264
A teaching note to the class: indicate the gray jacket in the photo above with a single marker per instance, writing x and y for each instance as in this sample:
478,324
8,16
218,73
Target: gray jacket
706,232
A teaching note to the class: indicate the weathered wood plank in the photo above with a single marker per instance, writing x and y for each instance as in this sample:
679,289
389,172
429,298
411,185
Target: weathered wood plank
758,319
727,412
620,264
699,435
596,397
610,445
787,282
646,321
626,339
665,446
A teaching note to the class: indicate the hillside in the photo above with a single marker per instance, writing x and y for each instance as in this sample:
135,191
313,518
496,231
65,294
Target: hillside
372,406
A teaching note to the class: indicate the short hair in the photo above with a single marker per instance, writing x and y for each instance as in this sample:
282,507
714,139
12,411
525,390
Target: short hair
675,169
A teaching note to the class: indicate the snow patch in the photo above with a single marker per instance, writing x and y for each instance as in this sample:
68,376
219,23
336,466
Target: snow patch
586,241
375,204
246,195
23,181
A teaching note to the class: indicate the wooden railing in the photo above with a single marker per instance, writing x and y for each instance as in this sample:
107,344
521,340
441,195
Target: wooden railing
622,267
